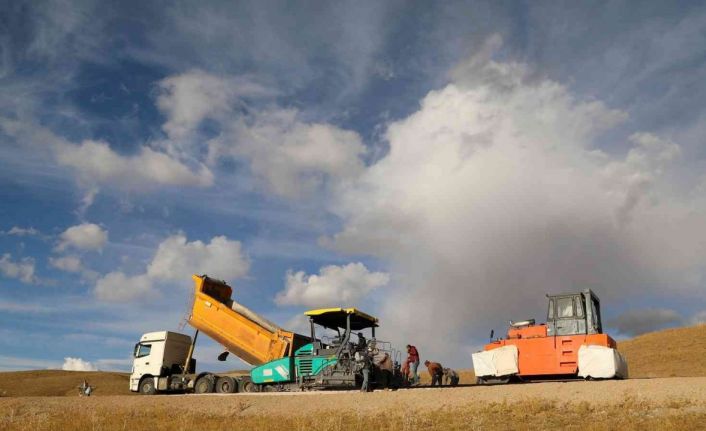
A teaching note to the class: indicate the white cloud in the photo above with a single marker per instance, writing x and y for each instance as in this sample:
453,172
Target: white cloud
334,285
95,162
636,322
494,193
66,263
86,236
19,231
178,259
22,269
189,98
118,287
290,156
77,364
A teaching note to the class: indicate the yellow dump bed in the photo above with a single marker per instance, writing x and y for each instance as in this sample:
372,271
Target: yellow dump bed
242,332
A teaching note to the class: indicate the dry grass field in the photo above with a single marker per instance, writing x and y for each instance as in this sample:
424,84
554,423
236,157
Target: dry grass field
46,400
672,403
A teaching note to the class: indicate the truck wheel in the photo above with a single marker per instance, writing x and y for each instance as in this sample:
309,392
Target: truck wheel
147,387
204,385
249,386
225,385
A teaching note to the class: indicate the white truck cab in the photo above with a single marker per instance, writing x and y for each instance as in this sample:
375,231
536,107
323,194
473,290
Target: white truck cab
157,357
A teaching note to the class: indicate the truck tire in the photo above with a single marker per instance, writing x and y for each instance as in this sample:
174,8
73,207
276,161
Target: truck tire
147,386
248,386
204,385
226,385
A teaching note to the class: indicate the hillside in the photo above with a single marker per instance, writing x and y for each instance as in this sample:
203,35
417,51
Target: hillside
669,353
61,383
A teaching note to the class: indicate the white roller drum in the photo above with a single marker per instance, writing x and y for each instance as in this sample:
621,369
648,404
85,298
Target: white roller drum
600,362
496,362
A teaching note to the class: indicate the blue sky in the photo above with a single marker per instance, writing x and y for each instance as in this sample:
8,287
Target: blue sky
441,165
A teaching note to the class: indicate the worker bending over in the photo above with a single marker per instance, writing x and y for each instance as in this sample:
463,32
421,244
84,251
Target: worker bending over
451,377
436,371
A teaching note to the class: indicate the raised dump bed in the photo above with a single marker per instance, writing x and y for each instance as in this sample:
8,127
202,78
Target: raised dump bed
241,331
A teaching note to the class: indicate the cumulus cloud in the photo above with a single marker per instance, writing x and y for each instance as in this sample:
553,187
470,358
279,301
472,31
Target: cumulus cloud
176,259
636,322
85,236
118,287
189,98
290,156
95,162
496,192
333,285
22,269
66,263
77,364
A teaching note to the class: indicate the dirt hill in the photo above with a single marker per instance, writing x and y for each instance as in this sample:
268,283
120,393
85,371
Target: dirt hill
61,383
669,353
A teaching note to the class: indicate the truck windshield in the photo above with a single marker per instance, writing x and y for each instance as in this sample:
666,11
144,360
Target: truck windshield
142,350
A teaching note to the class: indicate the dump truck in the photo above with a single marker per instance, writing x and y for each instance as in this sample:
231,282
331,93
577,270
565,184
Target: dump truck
570,345
283,360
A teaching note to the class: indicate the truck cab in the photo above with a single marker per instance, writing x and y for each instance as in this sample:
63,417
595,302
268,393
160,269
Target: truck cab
158,356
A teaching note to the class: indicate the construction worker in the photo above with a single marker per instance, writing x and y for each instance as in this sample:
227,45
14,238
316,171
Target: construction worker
436,371
362,342
85,389
413,362
383,367
364,363
451,377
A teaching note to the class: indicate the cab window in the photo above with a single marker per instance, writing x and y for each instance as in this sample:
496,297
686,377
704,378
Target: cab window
143,350
550,313
578,304
564,307
596,316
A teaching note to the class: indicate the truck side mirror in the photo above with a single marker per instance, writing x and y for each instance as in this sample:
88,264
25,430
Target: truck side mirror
492,332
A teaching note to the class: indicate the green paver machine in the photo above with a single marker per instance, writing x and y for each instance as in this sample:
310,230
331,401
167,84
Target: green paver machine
319,365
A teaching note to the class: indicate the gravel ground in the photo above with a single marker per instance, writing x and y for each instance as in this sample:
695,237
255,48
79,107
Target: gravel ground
654,391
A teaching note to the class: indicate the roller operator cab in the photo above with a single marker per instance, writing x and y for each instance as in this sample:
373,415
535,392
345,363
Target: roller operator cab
570,345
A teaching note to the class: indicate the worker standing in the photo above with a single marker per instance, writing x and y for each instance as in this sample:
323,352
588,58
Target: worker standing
413,362
436,371
451,377
364,363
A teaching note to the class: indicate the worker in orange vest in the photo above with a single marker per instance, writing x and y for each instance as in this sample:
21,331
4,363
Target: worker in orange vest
436,371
